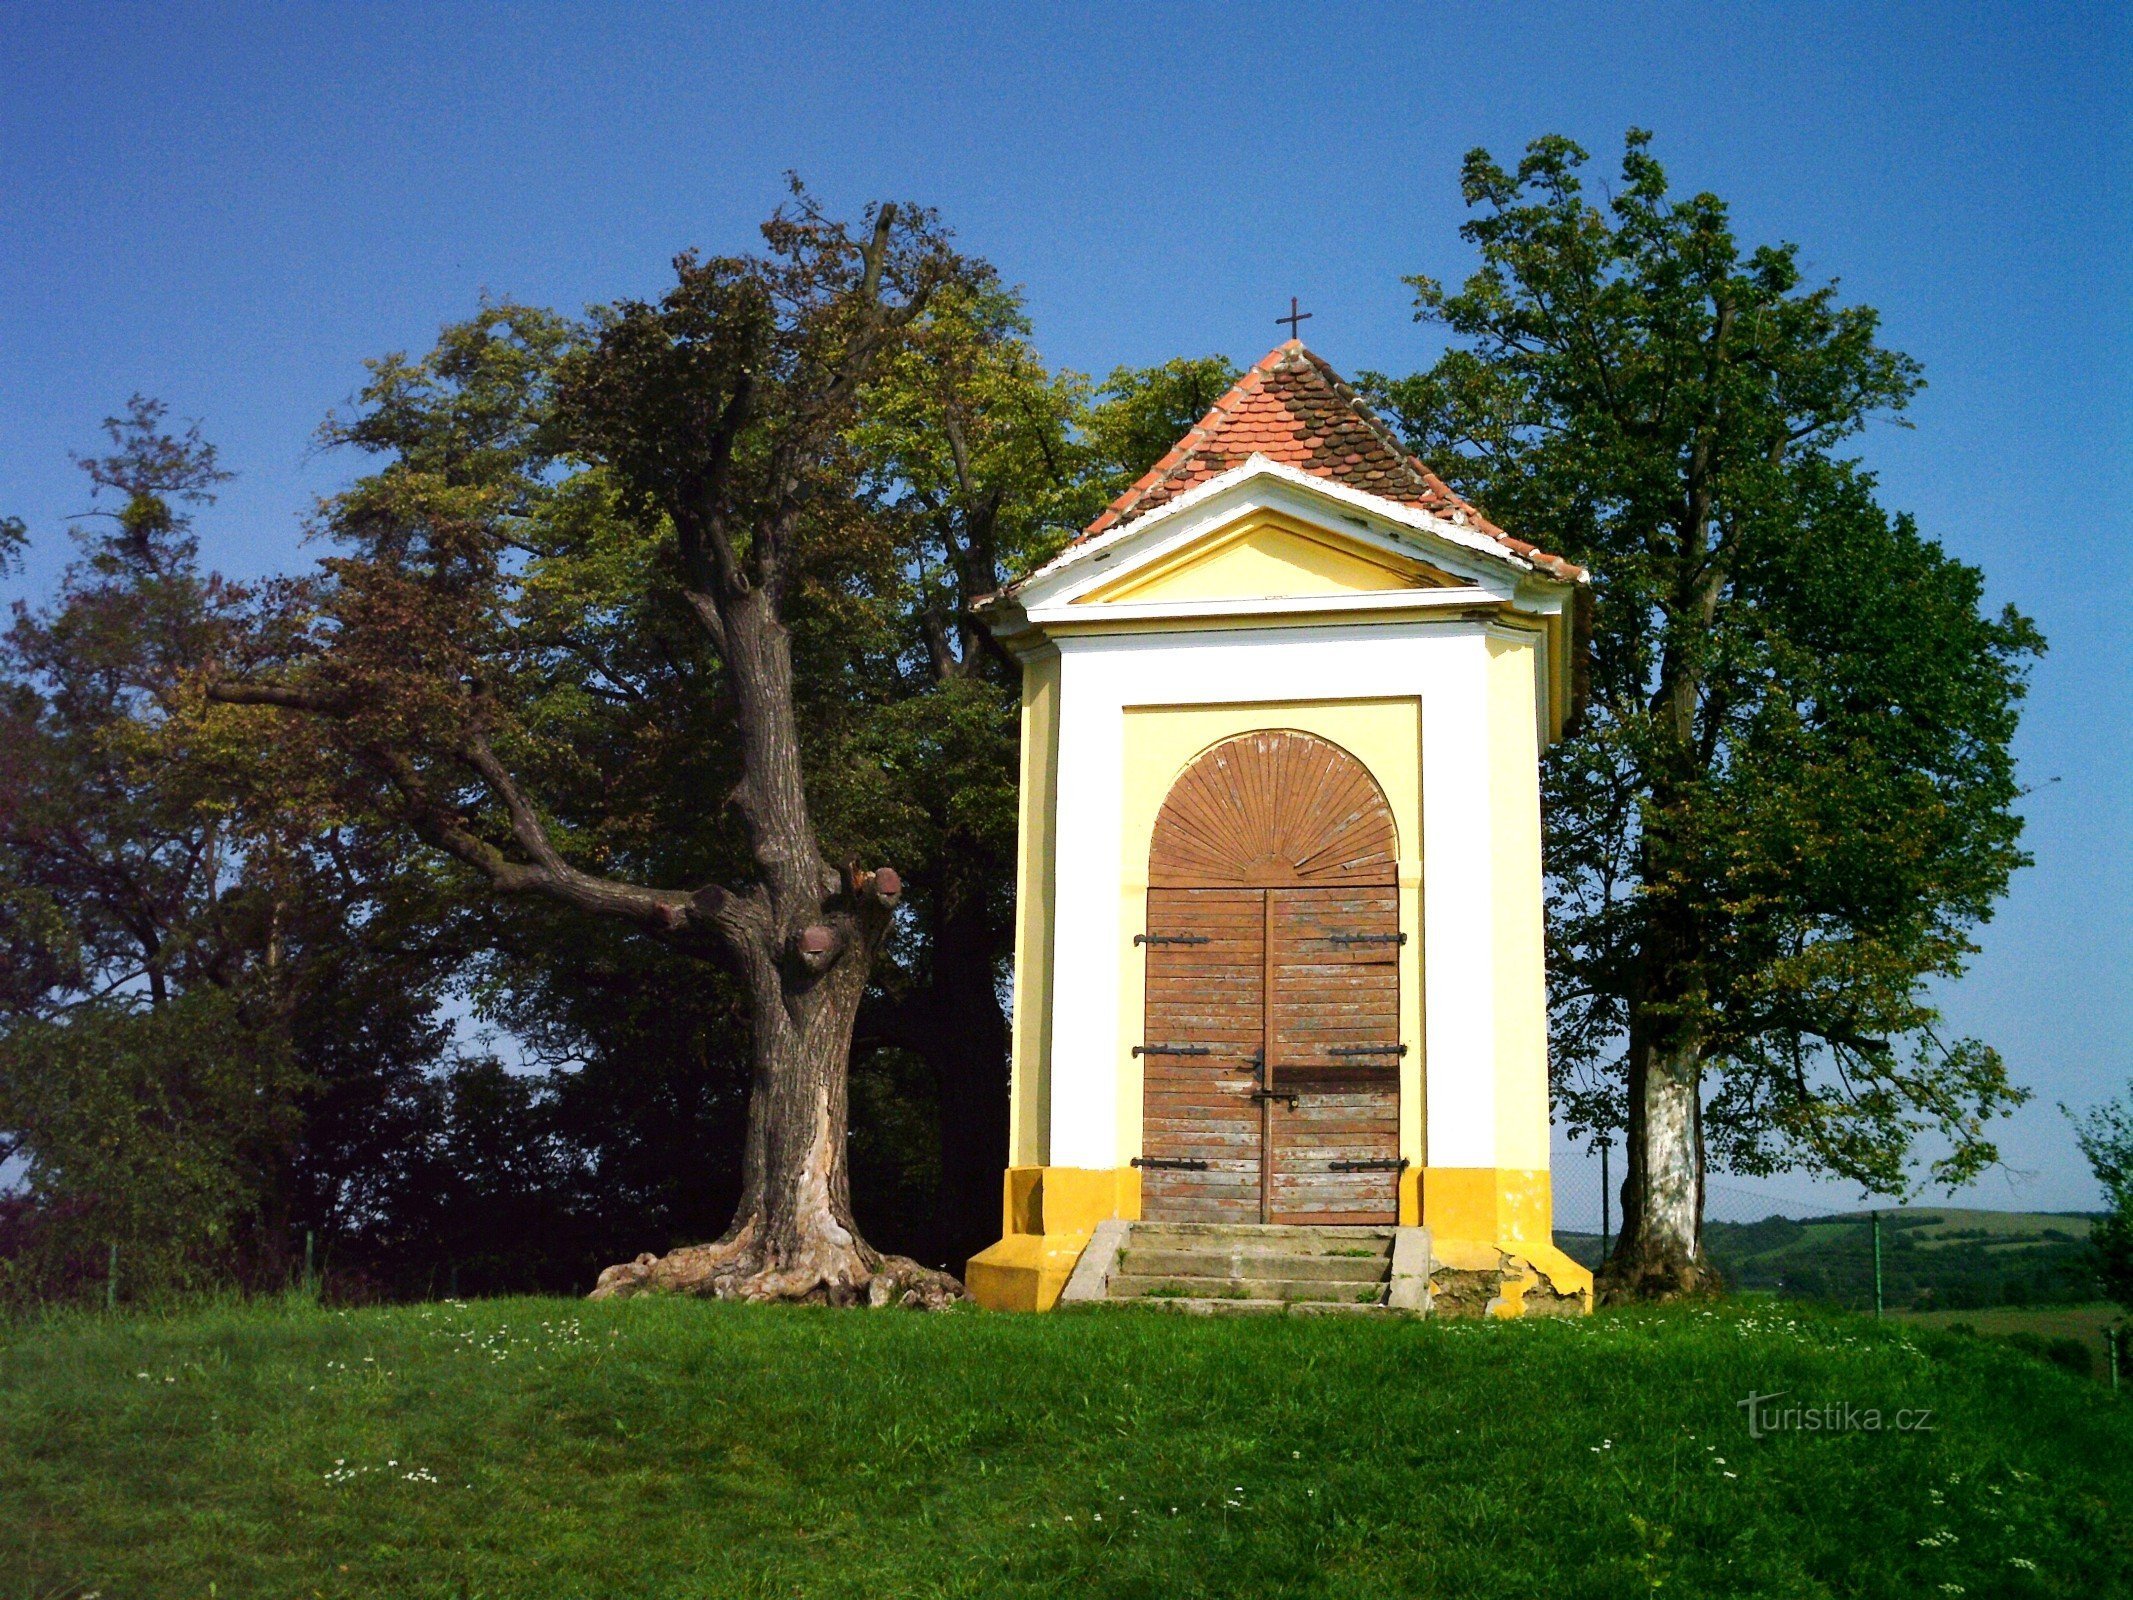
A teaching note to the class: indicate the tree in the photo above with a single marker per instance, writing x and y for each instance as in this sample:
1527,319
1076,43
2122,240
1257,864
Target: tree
206,996
715,421
1792,798
2106,1137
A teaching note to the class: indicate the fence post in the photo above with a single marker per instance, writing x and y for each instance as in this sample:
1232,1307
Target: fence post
1605,1197
111,1279
310,1276
1877,1264
2110,1339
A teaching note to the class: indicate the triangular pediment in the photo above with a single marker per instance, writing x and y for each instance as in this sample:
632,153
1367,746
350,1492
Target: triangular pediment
1266,555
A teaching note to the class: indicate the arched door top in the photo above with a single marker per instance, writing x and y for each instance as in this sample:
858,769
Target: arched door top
1272,808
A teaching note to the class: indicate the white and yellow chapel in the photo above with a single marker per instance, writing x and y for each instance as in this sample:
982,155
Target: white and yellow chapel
1279,956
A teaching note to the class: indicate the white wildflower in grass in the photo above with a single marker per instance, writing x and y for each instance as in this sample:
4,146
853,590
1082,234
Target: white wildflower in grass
2023,1562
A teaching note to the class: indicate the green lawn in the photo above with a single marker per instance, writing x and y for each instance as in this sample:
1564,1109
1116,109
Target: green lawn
663,1448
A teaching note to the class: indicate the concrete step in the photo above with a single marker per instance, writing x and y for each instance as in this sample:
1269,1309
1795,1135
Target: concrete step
1251,1264
1346,1308
1153,1286
1253,1269
1209,1307
1275,1239
1214,1308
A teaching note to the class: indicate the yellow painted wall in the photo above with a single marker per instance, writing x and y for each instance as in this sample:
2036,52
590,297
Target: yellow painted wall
1160,743
1266,555
1029,1081
1515,868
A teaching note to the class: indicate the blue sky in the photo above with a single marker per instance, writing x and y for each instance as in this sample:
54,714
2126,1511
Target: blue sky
231,208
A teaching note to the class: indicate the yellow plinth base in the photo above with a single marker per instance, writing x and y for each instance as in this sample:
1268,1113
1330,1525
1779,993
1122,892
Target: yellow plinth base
1476,1216
1049,1214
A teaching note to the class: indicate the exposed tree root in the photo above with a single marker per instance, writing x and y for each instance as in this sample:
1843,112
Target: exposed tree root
1642,1277
822,1272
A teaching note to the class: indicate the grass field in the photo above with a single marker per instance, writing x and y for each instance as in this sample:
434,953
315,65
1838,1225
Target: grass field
667,1448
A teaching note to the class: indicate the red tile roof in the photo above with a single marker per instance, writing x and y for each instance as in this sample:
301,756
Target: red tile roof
1294,409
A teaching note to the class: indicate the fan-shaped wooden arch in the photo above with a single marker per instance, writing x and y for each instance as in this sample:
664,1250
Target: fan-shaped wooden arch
1272,808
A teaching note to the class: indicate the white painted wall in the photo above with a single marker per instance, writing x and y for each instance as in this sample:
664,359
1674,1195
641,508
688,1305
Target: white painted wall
1444,665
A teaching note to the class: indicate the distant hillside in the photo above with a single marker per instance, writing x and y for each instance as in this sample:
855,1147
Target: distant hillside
1937,1258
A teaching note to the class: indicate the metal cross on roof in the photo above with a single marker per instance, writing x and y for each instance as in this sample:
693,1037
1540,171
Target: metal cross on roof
1294,317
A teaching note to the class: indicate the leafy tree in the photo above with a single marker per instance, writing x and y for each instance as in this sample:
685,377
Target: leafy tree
148,1132
207,994
715,421
1792,798
2106,1136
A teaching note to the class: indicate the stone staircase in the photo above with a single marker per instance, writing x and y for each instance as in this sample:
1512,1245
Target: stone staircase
1234,1269
1241,1270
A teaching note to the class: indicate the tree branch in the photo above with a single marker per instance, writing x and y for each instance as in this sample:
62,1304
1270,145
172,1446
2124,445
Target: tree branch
319,702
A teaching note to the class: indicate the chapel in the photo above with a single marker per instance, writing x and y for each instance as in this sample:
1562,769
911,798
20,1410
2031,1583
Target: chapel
1280,1017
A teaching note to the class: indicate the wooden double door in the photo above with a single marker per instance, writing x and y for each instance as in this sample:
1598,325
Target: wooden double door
1271,1047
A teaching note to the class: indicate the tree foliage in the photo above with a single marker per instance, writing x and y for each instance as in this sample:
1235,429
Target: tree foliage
2106,1137
210,998
1792,799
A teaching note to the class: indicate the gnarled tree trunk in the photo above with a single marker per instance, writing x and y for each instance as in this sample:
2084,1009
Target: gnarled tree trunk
805,939
792,1236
